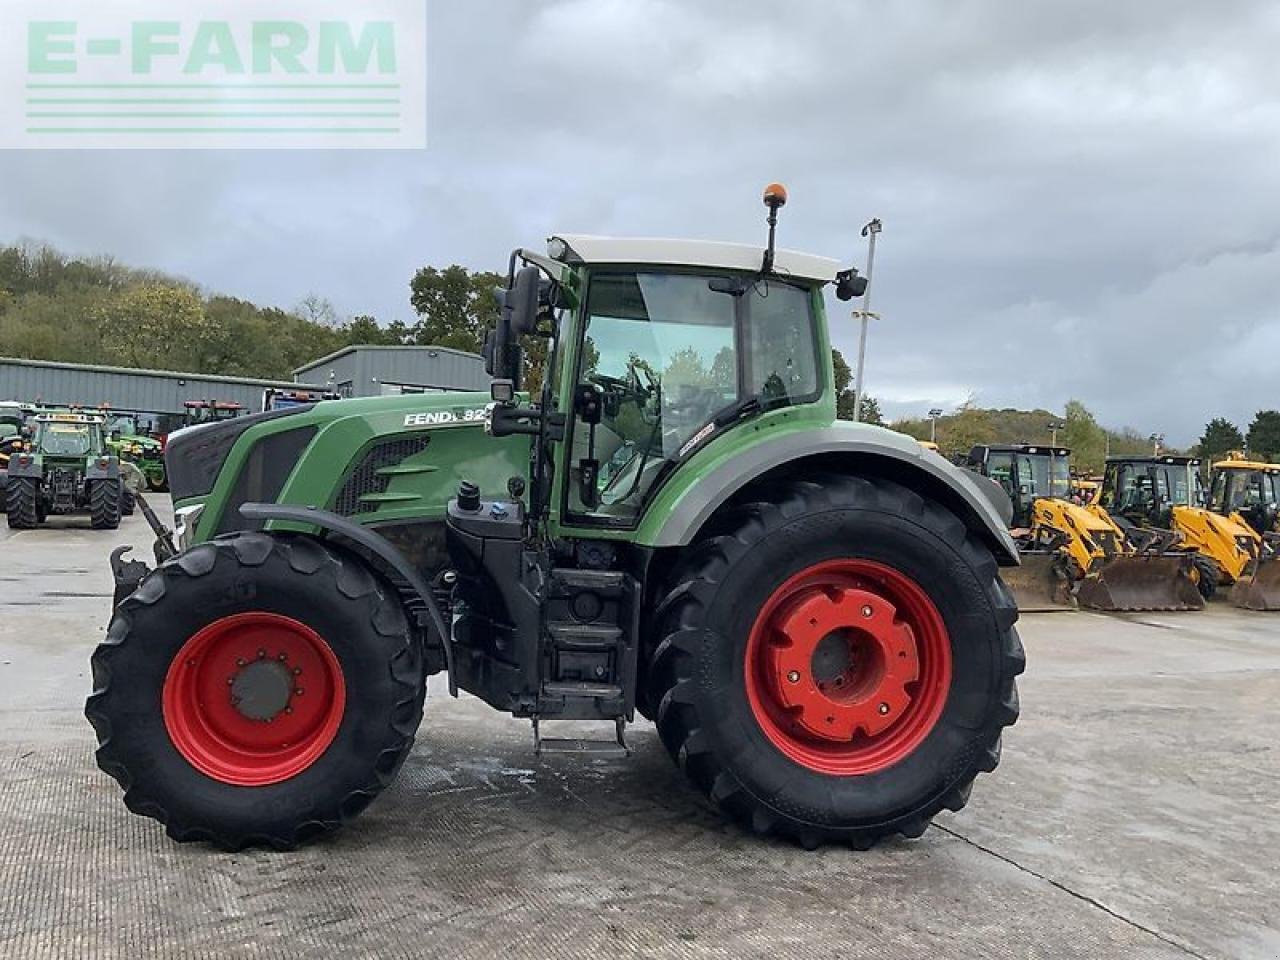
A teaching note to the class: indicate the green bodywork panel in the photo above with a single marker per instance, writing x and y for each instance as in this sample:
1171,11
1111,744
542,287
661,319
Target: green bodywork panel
418,488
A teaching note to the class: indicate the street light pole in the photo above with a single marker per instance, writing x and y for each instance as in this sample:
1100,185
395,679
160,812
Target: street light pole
871,230
934,414
1054,427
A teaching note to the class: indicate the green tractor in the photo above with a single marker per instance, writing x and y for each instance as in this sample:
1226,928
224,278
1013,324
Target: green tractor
674,525
131,444
64,468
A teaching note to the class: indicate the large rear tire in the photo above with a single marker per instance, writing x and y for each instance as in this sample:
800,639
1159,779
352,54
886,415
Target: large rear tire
104,504
22,502
256,689
837,661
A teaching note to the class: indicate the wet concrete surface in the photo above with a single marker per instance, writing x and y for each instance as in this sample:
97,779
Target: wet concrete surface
1135,814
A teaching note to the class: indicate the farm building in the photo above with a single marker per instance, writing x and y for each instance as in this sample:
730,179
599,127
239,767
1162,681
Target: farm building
354,371
369,371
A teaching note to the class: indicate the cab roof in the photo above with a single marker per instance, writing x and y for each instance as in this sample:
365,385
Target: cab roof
1241,464
1173,459
574,248
1029,448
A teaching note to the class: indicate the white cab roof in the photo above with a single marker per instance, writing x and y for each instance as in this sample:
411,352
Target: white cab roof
689,253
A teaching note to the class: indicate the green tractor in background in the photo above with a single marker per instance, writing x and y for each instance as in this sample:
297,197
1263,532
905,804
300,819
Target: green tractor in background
13,420
131,444
64,468
676,525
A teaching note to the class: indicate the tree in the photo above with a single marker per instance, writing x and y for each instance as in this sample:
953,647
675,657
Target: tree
846,397
1264,435
156,325
316,309
1221,436
1087,440
456,308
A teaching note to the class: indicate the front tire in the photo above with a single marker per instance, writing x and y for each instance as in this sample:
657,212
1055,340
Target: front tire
128,500
256,690
1207,575
22,502
837,662
104,504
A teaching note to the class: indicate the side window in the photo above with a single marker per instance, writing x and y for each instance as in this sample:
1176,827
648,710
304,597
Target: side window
780,342
1000,469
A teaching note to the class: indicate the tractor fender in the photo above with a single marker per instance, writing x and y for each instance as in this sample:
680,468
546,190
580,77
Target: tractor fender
379,546
32,469
859,450
93,471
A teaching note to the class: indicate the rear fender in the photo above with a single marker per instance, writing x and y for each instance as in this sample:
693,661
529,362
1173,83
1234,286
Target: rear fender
857,450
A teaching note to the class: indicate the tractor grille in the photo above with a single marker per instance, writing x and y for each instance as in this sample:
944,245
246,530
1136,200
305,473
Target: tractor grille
365,478
262,478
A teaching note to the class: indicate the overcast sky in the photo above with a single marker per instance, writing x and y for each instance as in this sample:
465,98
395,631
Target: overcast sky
1081,199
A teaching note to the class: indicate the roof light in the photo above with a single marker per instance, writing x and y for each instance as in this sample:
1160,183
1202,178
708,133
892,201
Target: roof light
775,195
557,249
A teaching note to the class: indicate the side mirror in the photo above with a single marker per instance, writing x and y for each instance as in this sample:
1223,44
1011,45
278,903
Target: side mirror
849,284
520,305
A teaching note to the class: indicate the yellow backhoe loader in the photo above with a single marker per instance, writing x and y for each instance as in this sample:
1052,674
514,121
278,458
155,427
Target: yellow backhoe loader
1075,554
1247,491
1164,494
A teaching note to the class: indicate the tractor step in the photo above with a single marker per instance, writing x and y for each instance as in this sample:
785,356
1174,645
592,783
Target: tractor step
605,749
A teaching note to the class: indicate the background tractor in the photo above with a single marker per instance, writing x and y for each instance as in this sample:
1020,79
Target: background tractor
1073,553
1165,494
131,444
65,468
673,523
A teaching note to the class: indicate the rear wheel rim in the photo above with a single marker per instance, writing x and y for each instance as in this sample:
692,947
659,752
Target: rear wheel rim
253,699
848,667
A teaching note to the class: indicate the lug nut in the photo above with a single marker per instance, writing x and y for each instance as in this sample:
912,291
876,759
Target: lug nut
794,676
282,657
297,691
884,708
867,611
240,661
262,654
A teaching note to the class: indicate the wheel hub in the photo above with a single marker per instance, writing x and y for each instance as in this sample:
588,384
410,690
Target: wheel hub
848,666
236,705
261,690
842,661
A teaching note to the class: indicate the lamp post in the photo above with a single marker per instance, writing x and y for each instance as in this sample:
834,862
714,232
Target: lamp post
871,230
1054,427
934,414
1157,441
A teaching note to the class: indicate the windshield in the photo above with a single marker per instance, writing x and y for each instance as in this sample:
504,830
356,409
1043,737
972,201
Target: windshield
1044,476
671,352
125,426
65,439
1236,490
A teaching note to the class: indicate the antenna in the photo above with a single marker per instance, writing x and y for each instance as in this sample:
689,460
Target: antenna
775,196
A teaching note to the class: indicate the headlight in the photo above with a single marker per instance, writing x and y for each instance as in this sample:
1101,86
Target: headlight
185,520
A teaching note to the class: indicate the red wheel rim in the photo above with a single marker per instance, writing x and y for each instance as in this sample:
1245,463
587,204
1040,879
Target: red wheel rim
253,699
848,666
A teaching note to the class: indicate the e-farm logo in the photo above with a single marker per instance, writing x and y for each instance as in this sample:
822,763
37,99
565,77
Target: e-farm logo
198,74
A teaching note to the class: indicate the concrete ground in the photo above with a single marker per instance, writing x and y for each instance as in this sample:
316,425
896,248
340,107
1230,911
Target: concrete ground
1135,815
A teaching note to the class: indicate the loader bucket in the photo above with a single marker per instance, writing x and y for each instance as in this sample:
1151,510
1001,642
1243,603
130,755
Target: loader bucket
1041,584
1260,589
1143,582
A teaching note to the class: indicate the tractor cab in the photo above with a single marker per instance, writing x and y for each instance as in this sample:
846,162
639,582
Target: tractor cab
1026,472
1248,488
1145,490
